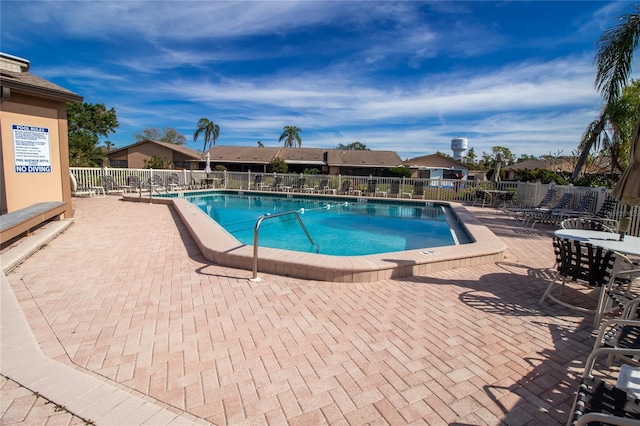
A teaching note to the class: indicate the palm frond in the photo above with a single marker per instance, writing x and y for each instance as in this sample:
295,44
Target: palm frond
614,55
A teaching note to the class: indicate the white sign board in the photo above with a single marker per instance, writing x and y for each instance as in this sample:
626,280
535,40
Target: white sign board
31,149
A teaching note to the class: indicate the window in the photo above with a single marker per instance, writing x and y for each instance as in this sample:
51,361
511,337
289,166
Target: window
181,165
451,174
118,164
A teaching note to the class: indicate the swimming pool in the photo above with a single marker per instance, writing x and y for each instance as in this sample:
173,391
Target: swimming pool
337,227
218,246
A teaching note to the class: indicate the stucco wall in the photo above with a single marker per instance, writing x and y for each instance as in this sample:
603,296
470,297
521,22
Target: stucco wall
137,155
21,190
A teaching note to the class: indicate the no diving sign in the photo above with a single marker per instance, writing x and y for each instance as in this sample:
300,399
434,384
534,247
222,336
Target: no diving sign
31,149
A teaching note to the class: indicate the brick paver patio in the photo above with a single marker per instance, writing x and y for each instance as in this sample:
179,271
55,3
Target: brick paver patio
124,294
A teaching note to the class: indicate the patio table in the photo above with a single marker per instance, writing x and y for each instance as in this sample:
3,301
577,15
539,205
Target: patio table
630,246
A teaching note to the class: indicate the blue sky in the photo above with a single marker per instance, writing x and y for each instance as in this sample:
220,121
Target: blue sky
403,76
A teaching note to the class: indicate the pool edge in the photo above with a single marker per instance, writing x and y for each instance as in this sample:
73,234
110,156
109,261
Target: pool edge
219,247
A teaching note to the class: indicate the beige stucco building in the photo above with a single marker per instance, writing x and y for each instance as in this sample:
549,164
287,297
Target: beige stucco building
35,149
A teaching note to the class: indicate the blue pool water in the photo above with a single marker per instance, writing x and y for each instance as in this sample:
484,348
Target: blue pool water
341,228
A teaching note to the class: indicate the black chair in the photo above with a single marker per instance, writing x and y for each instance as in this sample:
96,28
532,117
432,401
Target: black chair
591,224
479,198
301,185
542,215
599,402
507,200
545,203
584,263
258,182
134,181
607,208
394,189
110,186
555,217
622,332
372,187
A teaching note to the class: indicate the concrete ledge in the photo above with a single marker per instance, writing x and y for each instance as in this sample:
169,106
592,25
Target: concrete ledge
29,245
218,246
23,220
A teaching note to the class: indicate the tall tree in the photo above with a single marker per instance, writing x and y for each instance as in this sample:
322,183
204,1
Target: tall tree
470,158
290,134
614,58
87,122
210,131
354,146
167,134
525,157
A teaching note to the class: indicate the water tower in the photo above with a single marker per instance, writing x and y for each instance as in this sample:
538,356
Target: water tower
458,146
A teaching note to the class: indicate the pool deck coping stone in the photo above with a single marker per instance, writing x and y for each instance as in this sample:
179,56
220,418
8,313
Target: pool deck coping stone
220,247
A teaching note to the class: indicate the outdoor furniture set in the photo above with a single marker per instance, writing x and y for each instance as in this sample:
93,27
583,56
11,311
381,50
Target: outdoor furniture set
592,253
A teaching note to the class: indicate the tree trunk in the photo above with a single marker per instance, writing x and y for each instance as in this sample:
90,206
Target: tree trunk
597,129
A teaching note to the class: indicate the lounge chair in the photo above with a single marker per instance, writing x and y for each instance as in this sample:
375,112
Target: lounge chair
134,182
540,215
347,188
372,187
79,191
276,185
555,216
301,185
418,189
156,184
394,189
607,208
323,187
173,182
545,203
110,186
258,182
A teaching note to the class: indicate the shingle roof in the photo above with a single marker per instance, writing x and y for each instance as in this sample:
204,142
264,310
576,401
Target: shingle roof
363,158
243,154
302,155
434,160
331,157
196,155
563,164
25,82
181,149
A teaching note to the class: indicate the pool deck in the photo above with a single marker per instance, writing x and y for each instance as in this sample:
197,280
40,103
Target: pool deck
121,320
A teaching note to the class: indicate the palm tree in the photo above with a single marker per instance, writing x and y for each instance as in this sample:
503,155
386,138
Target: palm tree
290,134
211,132
614,58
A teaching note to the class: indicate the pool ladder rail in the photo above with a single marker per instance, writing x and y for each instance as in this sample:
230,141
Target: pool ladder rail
256,231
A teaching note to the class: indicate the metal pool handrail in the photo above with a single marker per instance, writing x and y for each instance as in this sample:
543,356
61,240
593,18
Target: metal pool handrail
257,229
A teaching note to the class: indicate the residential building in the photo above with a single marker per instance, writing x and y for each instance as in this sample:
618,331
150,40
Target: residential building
258,159
436,166
35,145
134,156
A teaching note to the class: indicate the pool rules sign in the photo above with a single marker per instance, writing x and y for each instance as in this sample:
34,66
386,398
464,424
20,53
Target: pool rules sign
31,149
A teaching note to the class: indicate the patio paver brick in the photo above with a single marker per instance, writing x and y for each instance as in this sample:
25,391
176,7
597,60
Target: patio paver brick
125,293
